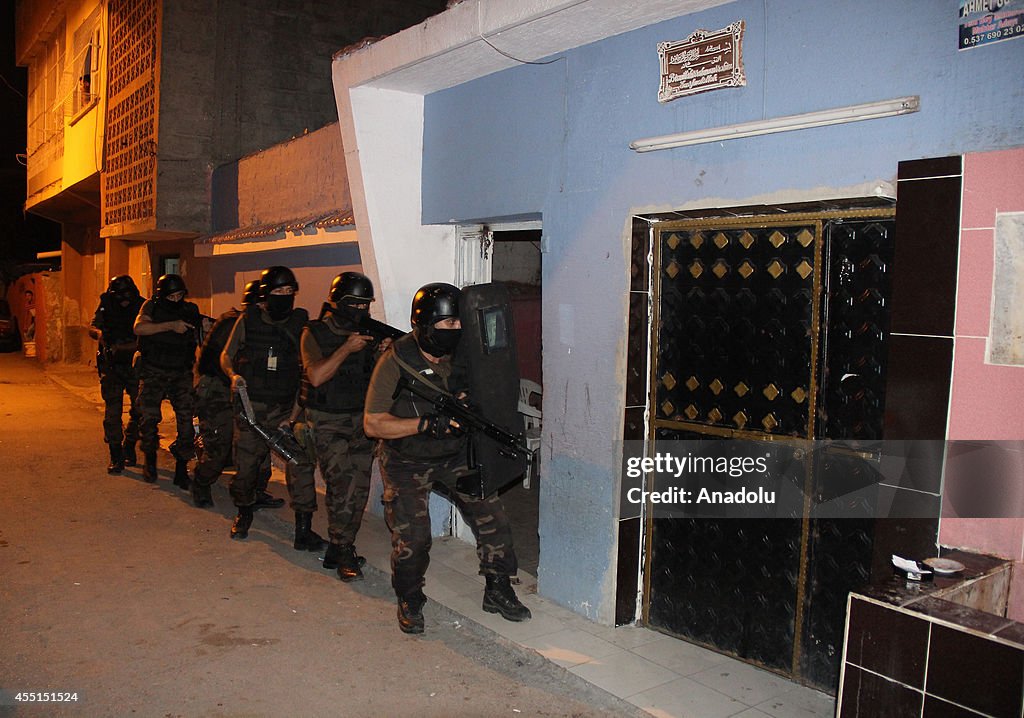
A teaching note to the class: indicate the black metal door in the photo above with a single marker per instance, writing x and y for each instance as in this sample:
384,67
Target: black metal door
767,328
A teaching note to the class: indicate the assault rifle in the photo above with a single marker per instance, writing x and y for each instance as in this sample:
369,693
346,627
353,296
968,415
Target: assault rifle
467,419
366,325
379,330
280,440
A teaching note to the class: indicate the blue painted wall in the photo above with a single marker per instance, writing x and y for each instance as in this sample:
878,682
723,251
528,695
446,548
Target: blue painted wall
553,139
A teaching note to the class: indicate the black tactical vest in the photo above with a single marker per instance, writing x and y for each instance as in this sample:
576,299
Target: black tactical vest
269,359
408,405
209,355
116,323
170,350
345,392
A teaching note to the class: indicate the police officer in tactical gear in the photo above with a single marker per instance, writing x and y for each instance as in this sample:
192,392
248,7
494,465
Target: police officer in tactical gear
168,329
262,354
112,327
424,451
338,361
216,418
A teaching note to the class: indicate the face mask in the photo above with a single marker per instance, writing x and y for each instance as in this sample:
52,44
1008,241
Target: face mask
170,306
279,306
346,314
353,314
439,342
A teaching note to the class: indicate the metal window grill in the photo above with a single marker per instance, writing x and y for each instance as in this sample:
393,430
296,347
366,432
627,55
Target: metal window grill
129,181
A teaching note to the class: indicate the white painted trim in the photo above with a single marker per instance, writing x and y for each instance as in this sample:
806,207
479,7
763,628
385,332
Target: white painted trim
516,226
280,240
382,131
458,45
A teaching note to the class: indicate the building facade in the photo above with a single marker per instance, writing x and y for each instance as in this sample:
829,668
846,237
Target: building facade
528,115
133,103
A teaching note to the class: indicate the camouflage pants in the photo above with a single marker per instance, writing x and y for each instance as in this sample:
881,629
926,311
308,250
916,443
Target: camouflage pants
407,487
344,455
116,380
155,385
252,460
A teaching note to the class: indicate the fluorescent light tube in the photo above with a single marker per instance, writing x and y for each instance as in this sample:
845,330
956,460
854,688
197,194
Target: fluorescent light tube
821,118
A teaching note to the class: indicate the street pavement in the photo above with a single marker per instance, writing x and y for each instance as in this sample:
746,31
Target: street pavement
126,595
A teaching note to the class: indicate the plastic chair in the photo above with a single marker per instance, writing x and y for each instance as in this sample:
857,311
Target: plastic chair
532,420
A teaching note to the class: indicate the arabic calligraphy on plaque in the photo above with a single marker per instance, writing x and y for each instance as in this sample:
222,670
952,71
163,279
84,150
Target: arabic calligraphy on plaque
706,60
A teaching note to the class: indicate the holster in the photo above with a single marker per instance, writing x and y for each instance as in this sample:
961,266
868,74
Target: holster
303,432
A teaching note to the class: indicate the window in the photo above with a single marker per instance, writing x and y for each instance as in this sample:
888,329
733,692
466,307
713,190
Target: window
494,329
84,75
45,112
170,265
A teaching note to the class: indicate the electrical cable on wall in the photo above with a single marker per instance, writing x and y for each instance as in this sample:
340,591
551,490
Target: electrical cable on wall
505,54
510,57
13,88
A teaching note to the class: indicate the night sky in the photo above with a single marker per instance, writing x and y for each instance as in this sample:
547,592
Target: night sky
20,236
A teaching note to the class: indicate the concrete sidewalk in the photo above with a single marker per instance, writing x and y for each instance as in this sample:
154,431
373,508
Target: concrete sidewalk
660,674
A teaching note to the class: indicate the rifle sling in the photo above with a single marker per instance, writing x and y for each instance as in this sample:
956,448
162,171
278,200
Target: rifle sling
419,377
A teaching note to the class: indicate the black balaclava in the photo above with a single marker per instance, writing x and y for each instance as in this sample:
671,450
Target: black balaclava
172,306
279,306
438,342
348,314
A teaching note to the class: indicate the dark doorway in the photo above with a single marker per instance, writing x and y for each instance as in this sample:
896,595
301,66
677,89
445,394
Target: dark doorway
516,263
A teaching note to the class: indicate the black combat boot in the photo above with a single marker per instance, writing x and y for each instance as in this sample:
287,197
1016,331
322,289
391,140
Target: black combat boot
149,467
201,494
306,539
348,565
410,612
116,460
265,500
240,528
181,478
499,597
332,559
129,453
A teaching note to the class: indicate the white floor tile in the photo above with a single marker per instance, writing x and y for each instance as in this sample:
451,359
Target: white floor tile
623,673
457,554
743,682
680,656
628,637
570,647
452,582
685,698
800,702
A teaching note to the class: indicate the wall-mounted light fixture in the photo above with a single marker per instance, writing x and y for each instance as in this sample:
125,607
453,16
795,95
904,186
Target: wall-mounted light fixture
835,116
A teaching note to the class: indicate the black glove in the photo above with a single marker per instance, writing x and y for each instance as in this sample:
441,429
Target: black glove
437,426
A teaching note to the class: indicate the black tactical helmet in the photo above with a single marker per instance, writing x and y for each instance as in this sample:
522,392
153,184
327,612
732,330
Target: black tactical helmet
123,285
351,288
434,302
276,277
168,285
251,293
